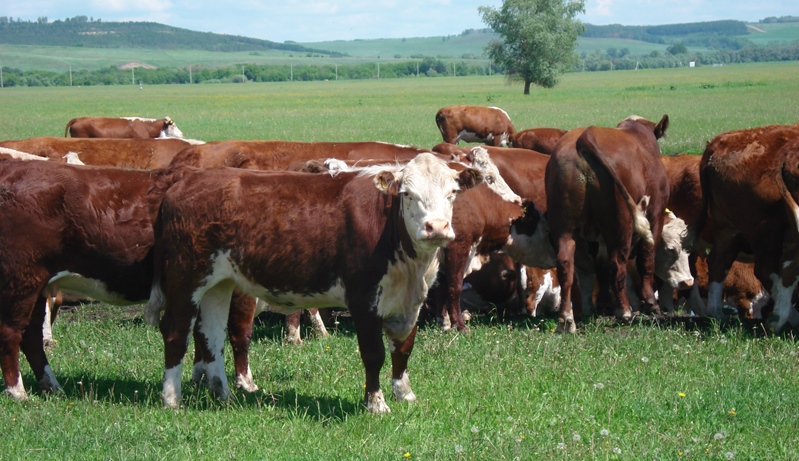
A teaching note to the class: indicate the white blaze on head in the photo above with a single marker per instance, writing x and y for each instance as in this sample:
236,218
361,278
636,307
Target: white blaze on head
171,130
481,160
671,258
427,188
72,158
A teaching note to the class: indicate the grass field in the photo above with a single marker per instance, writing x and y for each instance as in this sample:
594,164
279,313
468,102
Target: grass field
506,391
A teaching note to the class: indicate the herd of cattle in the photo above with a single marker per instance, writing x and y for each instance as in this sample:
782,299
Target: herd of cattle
588,221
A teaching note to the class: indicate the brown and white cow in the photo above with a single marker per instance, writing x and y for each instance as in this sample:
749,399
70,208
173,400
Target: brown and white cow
488,125
541,140
367,242
750,185
608,185
122,127
82,220
13,154
279,155
140,154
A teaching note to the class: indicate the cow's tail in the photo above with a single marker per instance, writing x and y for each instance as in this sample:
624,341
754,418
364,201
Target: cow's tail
696,230
784,192
161,180
69,125
440,119
587,146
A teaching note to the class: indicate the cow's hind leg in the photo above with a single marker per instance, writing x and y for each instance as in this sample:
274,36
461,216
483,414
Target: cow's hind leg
15,316
565,264
33,348
239,327
214,311
176,324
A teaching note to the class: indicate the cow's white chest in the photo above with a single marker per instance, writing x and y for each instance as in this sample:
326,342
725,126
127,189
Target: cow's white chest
402,291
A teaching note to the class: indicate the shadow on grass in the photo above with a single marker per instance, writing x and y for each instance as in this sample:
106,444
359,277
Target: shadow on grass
197,398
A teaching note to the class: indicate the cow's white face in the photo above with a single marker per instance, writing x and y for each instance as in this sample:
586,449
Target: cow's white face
482,161
671,259
171,130
427,188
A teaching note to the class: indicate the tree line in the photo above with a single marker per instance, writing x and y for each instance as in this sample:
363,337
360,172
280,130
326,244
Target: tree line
426,67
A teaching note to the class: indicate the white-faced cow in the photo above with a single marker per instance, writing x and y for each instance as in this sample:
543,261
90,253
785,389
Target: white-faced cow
488,125
123,127
261,232
750,186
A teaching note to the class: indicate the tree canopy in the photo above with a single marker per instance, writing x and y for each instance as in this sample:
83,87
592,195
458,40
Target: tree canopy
537,39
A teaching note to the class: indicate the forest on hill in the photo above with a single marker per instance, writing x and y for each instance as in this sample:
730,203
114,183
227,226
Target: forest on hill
81,31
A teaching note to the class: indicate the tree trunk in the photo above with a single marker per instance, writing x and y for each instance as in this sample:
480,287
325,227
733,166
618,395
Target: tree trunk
527,86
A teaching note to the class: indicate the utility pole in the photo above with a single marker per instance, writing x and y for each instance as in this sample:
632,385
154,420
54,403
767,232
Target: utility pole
417,69
70,75
378,71
1,76
190,74
133,75
336,71
291,72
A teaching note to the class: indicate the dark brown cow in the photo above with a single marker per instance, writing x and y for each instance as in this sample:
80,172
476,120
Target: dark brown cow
81,220
123,127
538,139
140,154
607,183
365,242
488,125
750,180
279,155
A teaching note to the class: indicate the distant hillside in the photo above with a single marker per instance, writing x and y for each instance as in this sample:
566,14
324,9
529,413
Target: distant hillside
80,31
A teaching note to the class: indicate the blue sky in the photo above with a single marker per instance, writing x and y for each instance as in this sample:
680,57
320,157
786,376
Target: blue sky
326,20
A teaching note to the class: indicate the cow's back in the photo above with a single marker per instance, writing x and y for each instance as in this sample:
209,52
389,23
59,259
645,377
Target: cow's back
279,155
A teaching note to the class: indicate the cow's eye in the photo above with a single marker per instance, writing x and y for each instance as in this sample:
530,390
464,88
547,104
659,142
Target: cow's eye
490,179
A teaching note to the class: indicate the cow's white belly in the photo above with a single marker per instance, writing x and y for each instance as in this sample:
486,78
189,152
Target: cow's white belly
469,136
288,302
70,283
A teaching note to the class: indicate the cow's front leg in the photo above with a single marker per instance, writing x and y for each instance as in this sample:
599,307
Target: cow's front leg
368,328
400,353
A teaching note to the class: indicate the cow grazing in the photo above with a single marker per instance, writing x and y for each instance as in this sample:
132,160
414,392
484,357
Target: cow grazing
750,181
140,154
123,127
541,140
488,125
260,231
608,184
81,220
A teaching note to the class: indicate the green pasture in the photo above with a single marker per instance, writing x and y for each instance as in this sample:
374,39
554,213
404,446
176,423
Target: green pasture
701,102
509,390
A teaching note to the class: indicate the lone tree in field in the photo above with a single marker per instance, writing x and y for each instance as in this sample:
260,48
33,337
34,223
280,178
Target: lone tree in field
538,38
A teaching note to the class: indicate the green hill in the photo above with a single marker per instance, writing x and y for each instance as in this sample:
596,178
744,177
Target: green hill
81,43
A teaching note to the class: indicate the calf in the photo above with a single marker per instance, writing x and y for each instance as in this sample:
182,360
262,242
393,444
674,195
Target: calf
489,125
124,127
381,232
608,184
750,180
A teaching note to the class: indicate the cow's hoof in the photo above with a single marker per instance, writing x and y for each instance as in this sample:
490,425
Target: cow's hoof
566,326
376,403
624,316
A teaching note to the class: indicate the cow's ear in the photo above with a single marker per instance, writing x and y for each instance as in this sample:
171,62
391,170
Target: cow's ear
469,178
387,183
660,128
